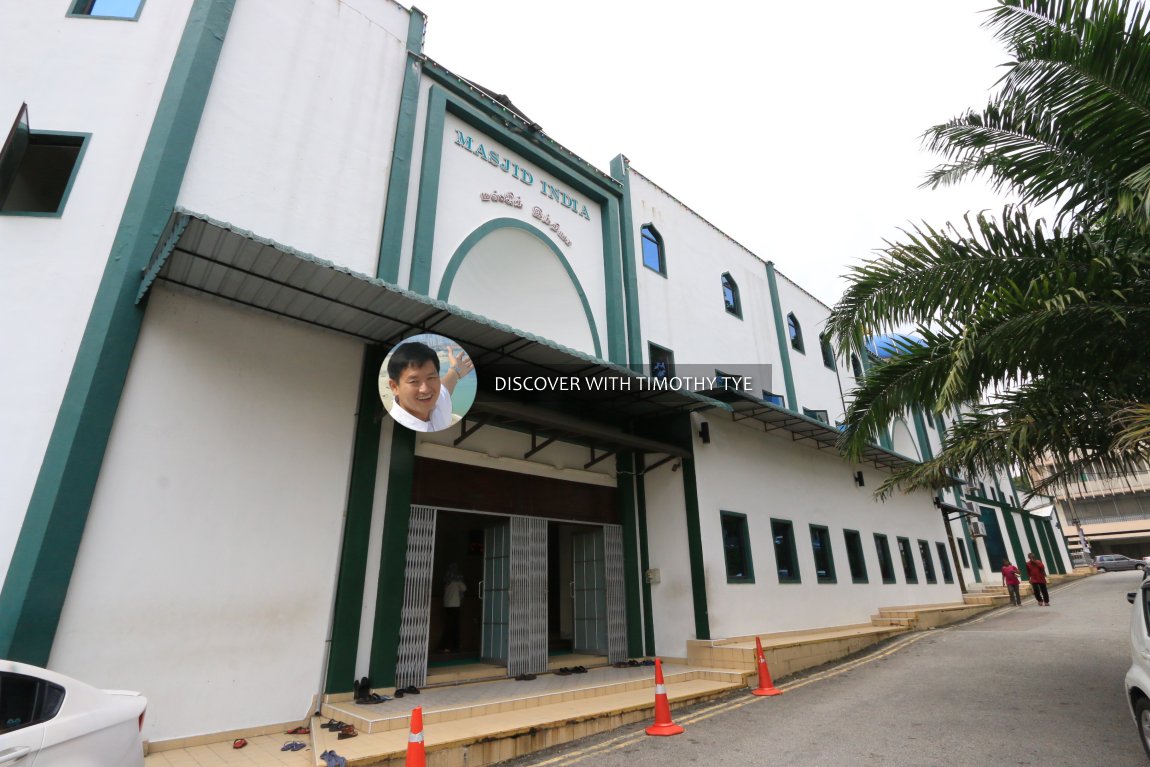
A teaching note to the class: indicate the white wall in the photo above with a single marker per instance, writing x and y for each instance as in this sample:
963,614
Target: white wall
765,475
816,386
206,572
671,599
77,75
296,138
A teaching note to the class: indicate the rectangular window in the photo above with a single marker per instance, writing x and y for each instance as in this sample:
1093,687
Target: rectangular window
736,547
907,557
944,563
824,557
126,10
962,554
818,415
37,168
786,560
855,556
885,563
662,361
927,561
774,399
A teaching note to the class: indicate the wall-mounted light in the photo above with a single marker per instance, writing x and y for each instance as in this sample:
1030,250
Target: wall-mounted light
705,432
859,479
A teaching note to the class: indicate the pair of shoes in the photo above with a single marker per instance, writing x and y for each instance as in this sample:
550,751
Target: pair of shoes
647,662
332,759
409,690
525,677
564,671
347,731
579,670
1046,604
239,743
299,731
294,745
333,725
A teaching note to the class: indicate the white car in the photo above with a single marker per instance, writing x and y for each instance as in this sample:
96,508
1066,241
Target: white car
48,719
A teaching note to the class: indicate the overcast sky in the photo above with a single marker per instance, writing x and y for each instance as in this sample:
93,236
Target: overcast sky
793,127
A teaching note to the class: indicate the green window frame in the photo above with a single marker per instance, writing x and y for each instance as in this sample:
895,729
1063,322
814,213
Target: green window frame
828,352
927,561
855,558
885,562
824,555
944,563
109,10
795,331
906,555
962,553
731,300
736,547
38,168
786,557
651,249
662,361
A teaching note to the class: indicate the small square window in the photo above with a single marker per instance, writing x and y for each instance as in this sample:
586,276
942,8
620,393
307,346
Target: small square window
824,557
907,556
37,169
126,10
855,556
662,361
786,560
885,563
944,562
927,562
736,547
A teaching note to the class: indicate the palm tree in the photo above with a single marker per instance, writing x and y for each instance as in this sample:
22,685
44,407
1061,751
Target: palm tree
1036,332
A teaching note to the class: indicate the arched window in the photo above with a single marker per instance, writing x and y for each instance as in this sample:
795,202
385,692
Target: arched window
653,256
828,352
796,331
856,366
731,296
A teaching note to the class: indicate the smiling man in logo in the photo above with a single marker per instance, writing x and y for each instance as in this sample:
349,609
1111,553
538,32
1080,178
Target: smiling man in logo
422,396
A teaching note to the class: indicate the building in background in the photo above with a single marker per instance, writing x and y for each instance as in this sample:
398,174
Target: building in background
220,217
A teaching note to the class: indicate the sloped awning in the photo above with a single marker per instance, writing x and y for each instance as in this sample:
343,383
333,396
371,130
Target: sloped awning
216,259
749,410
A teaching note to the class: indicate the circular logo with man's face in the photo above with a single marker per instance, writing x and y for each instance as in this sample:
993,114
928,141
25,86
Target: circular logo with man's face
427,382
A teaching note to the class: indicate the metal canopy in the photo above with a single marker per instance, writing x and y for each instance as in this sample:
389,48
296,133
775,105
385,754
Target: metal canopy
752,411
216,259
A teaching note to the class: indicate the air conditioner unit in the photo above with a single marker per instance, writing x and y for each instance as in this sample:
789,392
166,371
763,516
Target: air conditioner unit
977,529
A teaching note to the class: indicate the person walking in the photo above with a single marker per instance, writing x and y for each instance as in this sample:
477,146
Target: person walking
1037,573
1011,577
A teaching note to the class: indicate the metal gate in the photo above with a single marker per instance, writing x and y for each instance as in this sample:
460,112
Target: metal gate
415,618
589,591
494,590
616,600
528,626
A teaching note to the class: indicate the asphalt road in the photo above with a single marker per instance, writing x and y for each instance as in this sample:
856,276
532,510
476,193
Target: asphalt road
1018,686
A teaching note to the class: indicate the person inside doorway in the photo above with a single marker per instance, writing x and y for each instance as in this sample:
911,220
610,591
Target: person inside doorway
453,590
422,398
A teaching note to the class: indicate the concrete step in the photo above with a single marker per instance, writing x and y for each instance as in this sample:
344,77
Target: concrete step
926,616
788,652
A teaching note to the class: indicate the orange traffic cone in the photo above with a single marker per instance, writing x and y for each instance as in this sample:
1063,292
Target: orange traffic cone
416,756
766,686
663,724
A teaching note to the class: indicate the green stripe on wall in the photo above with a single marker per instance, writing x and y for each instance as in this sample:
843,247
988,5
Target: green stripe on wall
393,559
356,527
630,278
45,554
683,433
1015,542
784,342
625,498
644,557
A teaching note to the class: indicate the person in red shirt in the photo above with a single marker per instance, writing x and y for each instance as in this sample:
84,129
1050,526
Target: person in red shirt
1011,579
1036,571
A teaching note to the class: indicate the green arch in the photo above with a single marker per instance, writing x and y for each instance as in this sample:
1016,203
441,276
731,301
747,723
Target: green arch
513,223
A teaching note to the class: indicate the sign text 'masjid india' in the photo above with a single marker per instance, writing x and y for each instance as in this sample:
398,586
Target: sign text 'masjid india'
507,165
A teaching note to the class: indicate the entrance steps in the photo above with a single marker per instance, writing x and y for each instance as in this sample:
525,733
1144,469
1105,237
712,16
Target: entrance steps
920,617
480,724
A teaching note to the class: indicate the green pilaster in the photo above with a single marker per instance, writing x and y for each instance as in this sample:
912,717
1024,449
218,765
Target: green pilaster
625,498
617,349
399,180
884,439
420,278
1029,531
784,341
630,276
356,527
923,437
970,544
1015,542
644,559
694,532
393,558
45,554
1053,552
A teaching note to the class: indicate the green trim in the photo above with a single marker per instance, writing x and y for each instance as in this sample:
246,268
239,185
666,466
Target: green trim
619,172
399,179
625,498
927,451
784,342
792,549
1015,541
745,541
684,436
59,212
75,13
944,562
927,557
393,559
613,288
857,552
884,438
496,224
356,528
831,576
1028,529
972,550
644,556
419,278
45,554
909,572
882,547
1048,527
